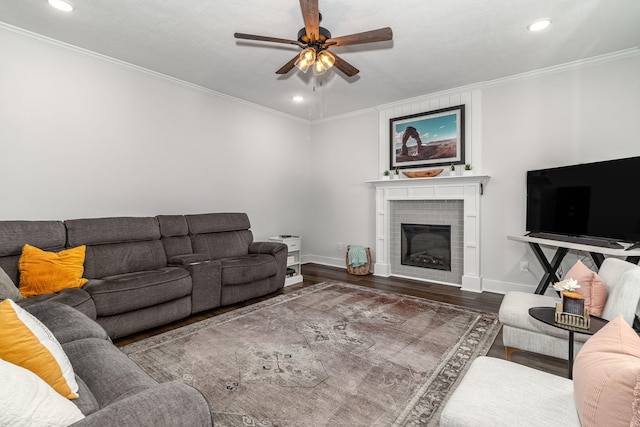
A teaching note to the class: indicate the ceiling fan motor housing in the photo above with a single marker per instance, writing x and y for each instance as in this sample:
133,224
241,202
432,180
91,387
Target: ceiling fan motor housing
324,36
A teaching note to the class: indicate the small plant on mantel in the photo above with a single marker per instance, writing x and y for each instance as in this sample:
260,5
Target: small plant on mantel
467,167
385,175
396,173
453,167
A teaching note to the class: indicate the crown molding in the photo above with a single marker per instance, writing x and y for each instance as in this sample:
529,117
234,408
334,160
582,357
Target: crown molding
126,65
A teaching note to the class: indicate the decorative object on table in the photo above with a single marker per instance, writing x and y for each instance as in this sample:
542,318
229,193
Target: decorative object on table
581,321
385,175
358,260
433,138
423,174
452,168
396,173
571,311
467,170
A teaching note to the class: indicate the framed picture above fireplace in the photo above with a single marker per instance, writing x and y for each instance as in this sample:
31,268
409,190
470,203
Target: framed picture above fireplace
433,138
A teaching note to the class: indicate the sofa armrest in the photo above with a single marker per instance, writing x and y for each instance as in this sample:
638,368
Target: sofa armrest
271,248
180,260
279,252
169,404
206,282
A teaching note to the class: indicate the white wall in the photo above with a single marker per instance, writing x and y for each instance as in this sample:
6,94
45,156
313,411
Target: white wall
83,136
341,208
557,117
576,115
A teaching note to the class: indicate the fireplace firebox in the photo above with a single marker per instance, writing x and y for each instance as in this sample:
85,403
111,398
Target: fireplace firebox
426,245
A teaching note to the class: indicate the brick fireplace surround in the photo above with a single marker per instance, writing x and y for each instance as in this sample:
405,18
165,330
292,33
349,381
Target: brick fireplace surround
466,188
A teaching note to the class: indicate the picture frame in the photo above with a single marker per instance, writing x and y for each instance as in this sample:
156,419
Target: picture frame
432,138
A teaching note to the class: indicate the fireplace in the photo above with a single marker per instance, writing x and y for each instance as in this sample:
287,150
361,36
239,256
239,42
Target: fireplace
453,200
426,246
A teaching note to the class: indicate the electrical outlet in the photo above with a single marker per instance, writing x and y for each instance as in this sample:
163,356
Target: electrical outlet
338,246
524,266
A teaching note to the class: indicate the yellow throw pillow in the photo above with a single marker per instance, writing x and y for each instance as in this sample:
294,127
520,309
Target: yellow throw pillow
43,272
26,342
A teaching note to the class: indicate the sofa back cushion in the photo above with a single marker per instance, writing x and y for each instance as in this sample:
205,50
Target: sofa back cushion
117,245
175,235
47,235
220,235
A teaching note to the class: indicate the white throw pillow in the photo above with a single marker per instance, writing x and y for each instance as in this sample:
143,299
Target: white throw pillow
26,400
26,342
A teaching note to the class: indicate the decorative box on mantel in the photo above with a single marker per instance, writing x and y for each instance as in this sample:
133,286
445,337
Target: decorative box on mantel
469,189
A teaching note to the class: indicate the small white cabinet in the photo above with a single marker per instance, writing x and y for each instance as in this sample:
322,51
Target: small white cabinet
294,271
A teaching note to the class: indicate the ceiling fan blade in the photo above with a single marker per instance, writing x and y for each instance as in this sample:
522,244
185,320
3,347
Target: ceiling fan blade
379,35
288,66
311,17
344,66
266,39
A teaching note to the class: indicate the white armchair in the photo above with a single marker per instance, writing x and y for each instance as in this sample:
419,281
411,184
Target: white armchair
520,331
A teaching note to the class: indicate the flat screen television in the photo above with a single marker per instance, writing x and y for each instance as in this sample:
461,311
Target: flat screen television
595,202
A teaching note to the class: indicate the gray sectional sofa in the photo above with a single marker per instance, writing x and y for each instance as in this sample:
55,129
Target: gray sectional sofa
113,390
149,271
143,272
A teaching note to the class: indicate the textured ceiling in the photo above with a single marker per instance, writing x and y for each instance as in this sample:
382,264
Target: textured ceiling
437,45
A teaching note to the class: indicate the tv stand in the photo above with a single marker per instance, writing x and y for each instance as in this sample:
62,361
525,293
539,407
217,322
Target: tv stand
562,248
584,240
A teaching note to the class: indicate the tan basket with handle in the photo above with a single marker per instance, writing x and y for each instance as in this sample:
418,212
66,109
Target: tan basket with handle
362,270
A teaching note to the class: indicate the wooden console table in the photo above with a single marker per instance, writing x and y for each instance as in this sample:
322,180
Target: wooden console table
562,248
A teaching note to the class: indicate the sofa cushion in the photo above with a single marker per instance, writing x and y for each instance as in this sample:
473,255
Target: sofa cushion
26,342
99,231
222,245
514,311
107,372
591,287
77,298
248,268
173,225
606,374
495,392
26,400
49,235
119,258
217,222
66,323
43,272
8,289
132,291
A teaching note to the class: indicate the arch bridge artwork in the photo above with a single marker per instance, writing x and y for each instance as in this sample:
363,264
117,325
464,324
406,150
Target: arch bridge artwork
433,138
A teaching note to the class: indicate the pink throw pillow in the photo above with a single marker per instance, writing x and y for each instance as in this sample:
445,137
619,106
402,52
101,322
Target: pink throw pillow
605,377
591,286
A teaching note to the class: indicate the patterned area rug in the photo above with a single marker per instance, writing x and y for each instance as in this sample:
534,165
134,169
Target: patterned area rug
332,354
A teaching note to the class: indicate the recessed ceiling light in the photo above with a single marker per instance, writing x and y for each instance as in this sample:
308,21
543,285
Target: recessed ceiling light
298,98
61,5
539,24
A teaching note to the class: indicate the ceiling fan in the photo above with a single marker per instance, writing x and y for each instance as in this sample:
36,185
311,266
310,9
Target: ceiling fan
315,41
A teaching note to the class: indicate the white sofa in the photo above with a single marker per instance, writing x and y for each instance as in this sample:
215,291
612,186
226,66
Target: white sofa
496,393
520,331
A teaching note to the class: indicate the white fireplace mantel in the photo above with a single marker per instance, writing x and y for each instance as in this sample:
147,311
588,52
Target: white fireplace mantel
469,189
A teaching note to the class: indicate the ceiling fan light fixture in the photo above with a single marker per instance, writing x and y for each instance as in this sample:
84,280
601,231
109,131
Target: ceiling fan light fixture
324,61
306,59
326,58
62,5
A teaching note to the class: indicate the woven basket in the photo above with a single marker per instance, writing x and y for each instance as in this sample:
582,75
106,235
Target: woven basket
362,270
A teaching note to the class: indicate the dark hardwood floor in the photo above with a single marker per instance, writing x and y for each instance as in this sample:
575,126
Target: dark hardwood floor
315,273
